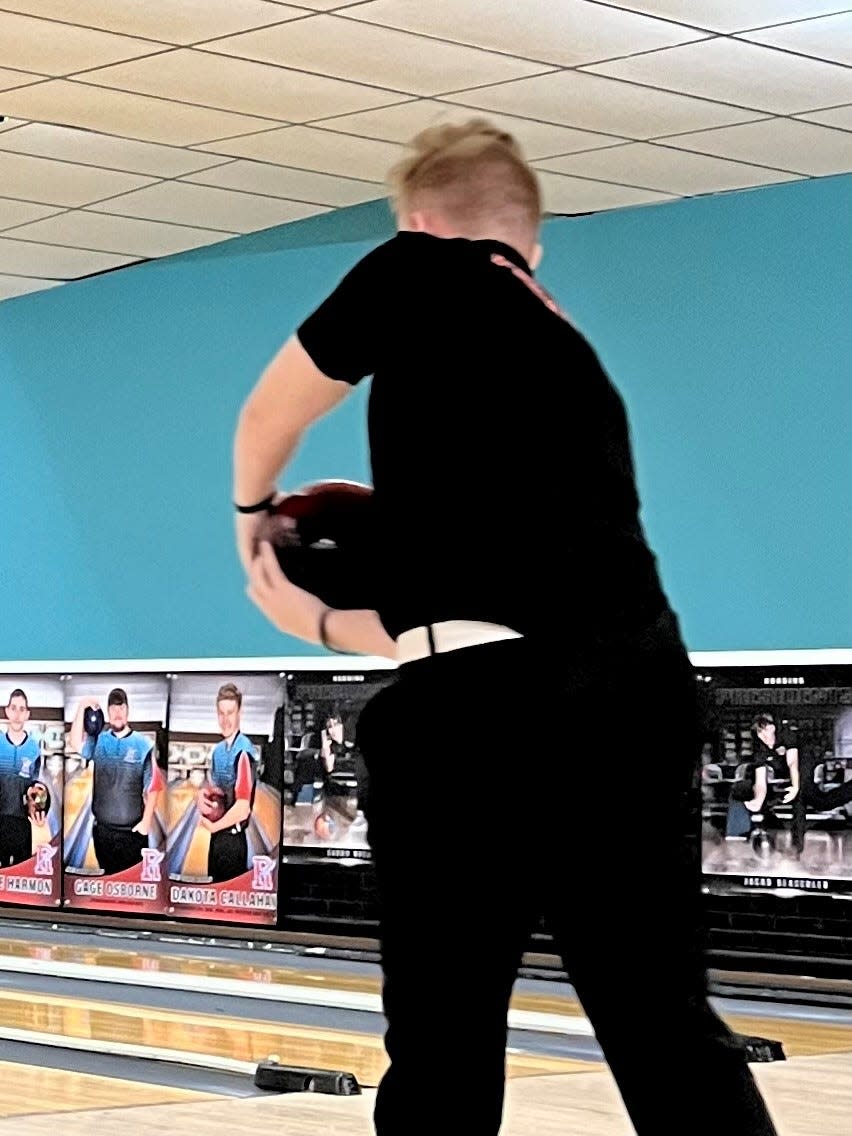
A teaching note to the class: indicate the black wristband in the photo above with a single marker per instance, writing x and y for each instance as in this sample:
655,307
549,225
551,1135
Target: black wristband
323,635
257,507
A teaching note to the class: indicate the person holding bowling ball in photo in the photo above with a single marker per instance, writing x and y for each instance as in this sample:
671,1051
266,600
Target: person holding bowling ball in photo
226,798
24,796
126,780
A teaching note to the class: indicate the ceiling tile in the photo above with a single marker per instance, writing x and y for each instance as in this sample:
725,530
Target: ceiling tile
79,228
736,72
296,185
126,115
53,262
827,38
840,116
11,286
61,183
184,21
671,171
10,78
565,33
377,56
307,148
240,85
20,212
780,142
90,149
11,124
400,123
60,49
221,209
731,15
592,102
579,195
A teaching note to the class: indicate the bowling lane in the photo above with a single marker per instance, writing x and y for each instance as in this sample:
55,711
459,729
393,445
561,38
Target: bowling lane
27,1089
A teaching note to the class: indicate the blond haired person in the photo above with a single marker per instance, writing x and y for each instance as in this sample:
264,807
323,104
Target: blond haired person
506,527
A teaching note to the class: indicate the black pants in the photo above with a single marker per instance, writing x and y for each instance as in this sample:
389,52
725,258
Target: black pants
310,768
810,796
619,890
228,856
351,770
16,840
117,849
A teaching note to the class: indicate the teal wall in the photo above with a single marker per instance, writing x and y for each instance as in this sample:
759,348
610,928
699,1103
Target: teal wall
725,321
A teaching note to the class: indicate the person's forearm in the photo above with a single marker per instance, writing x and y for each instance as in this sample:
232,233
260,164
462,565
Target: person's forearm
360,632
261,451
150,807
793,765
238,813
75,734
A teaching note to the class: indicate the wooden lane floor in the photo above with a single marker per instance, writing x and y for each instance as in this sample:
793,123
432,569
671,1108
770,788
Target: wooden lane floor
224,1041
29,1089
807,1097
810,1093
800,1034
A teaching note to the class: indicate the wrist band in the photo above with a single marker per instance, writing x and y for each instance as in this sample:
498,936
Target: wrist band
258,506
322,632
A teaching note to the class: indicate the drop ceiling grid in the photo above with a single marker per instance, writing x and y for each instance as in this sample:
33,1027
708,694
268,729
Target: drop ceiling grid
350,107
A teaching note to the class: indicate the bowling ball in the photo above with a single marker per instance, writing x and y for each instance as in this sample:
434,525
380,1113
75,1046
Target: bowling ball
93,720
325,826
211,802
37,800
321,537
763,843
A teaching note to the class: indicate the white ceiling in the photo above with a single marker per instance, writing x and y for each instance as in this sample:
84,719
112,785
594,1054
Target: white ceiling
135,129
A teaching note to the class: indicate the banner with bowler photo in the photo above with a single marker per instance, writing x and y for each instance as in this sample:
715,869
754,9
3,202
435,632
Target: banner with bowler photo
326,782
224,829
32,737
115,800
776,779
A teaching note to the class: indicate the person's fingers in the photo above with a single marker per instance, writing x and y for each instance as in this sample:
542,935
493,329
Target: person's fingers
267,566
259,577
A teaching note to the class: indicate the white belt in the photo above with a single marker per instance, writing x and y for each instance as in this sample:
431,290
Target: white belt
449,636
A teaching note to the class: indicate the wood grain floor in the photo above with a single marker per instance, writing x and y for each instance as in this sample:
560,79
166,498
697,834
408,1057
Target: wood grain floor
808,1096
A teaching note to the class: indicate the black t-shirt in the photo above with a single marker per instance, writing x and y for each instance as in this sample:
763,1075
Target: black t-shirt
503,478
774,759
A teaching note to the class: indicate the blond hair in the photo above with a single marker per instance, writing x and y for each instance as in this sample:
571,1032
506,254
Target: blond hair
473,174
229,692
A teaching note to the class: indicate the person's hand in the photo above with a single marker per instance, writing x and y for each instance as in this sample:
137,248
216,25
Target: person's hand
790,795
289,608
91,702
248,529
142,827
37,799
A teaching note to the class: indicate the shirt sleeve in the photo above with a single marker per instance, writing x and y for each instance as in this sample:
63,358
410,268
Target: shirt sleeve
345,334
153,777
789,738
245,777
